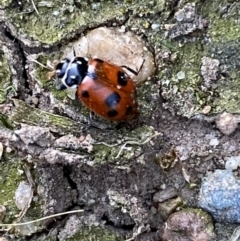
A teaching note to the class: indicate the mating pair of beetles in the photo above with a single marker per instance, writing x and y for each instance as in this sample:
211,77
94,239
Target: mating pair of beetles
105,88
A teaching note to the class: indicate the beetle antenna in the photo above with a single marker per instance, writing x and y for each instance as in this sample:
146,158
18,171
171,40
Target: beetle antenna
133,71
74,52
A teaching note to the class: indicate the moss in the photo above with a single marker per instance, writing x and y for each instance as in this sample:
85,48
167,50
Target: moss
4,122
5,81
27,114
9,180
103,153
225,33
228,87
229,97
96,234
11,175
57,21
41,72
5,3
184,94
188,62
227,30
147,99
223,26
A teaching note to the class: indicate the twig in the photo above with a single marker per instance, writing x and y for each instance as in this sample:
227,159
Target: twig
137,143
34,6
130,143
40,219
139,231
37,62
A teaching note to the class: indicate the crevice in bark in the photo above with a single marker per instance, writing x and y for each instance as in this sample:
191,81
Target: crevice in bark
21,55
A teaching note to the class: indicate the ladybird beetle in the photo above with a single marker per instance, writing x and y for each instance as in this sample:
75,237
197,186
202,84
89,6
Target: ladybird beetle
105,88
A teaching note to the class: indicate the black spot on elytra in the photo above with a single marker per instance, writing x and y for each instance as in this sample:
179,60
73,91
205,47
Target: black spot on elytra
112,100
122,78
112,113
99,60
85,94
129,110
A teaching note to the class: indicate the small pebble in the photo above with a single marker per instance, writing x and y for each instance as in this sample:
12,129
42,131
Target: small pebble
167,207
95,6
214,142
188,224
232,163
206,109
209,70
219,195
155,26
165,194
56,13
8,149
181,75
227,123
3,239
35,100
23,195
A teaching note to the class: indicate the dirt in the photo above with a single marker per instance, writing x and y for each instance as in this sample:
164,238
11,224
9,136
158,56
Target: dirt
109,173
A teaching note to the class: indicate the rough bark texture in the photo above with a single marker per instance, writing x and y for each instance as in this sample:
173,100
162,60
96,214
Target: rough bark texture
129,177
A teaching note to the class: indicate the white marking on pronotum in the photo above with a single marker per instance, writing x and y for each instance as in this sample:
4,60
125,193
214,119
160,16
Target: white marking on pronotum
91,69
79,62
74,87
63,80
73,77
